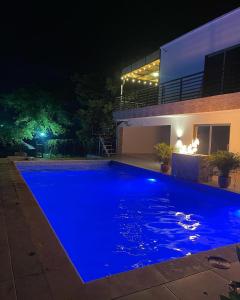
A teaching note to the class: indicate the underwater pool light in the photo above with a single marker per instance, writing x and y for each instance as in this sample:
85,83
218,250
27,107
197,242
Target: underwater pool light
152,179
237,213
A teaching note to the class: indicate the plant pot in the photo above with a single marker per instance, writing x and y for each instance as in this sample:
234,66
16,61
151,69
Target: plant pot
224,181
164,168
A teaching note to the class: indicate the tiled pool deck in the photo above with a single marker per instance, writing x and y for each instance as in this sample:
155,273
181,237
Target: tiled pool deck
34,265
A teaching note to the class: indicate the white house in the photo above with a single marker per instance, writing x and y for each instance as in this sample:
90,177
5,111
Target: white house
189,88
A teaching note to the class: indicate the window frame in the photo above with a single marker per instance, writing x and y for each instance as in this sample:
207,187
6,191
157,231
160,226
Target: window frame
195,131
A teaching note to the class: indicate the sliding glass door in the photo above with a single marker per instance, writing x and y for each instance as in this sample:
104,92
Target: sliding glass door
212,138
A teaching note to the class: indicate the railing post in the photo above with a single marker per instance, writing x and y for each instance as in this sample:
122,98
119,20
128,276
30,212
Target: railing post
180,90
99,145
163,94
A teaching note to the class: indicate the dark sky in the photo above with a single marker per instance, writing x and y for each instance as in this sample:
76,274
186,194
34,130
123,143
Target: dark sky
48,41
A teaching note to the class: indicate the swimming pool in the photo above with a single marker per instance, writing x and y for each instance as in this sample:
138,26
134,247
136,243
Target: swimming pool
111,217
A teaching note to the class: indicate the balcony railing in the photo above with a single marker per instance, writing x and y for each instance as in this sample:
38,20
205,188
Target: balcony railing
184,88
143,97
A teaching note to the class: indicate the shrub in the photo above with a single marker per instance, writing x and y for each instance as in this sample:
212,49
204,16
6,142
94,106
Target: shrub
164,152
225,161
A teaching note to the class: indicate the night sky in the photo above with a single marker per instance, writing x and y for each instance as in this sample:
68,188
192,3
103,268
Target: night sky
47,42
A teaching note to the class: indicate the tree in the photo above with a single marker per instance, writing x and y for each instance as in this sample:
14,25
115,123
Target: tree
95,98
26,113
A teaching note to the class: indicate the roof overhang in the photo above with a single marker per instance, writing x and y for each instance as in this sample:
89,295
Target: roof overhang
143,70
146,73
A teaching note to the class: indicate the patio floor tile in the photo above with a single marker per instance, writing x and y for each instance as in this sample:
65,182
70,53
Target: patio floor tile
135,280
33,287
97,290
155,293
5,266
3,233
7,291
65,283
227,252
230,274
24,258
205,285
180,268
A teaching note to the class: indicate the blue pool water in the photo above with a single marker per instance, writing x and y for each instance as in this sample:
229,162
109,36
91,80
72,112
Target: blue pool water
111,217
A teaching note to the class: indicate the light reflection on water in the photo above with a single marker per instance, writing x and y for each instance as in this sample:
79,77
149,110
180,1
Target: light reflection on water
171,229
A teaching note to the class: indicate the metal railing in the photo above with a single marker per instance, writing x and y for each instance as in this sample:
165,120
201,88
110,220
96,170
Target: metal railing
184,88
141,98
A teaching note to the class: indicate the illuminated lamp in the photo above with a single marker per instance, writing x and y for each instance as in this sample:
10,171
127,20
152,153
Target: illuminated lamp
155,74
42,134
179,132
179,143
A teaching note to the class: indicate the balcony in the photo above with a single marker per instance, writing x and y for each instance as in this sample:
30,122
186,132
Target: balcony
194,86
140,98
184,88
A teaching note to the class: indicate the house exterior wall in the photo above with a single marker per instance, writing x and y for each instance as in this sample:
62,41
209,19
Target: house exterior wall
186,54
142,139
183,126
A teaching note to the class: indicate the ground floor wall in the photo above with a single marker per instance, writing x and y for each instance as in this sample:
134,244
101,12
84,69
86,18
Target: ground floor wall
141,139
182,126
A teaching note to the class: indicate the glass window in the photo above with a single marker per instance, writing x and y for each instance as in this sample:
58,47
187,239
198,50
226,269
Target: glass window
212,138
203,134
220,138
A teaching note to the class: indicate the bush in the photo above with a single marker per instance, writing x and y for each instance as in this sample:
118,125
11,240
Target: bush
225,162
164,152
63,147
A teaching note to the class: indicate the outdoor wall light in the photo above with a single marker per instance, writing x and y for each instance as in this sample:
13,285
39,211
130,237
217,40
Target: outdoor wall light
179,143
179,132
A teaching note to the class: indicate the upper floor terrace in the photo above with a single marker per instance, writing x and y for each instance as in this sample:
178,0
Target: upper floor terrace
221,75
204,62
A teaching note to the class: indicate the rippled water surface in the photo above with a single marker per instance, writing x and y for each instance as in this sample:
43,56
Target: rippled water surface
112,218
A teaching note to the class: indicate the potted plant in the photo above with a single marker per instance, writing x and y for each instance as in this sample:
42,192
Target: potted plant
164,153
225,162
